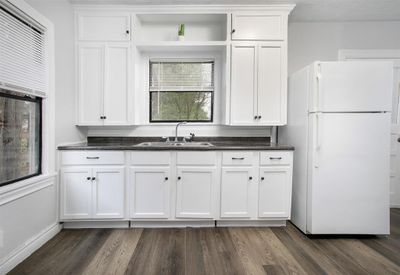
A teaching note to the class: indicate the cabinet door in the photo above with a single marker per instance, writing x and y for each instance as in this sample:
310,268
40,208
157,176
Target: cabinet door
76,193
108,192
274,192
246,26
271,84
236,192
149,192
104,27
243,79
117,70
90,84
195,192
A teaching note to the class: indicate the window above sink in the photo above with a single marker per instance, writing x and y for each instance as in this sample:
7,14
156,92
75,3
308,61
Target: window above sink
181,90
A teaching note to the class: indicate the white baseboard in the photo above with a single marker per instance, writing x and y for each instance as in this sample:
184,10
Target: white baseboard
171,224
96,224
30,246
236,223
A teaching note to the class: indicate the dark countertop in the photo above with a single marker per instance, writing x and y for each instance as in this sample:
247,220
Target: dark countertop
220,143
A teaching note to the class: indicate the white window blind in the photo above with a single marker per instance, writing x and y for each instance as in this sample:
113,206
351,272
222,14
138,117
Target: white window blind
22,55
181,76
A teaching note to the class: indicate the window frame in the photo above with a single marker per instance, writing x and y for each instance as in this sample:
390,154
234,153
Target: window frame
177,60
39,100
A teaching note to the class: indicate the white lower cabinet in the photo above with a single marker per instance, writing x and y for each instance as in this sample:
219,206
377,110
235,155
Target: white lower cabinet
108,192
149,192
92,192
176,186
195,192
274,192
236,192
76,193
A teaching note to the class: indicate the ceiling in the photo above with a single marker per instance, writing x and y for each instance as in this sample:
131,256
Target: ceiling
306,10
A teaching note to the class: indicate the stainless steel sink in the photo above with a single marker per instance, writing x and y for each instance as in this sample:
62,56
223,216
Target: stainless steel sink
175,144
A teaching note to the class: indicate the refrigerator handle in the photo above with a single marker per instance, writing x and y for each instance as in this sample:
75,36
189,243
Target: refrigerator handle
317,138
318,96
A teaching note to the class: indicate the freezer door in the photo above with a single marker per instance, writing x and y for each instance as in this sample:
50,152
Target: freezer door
348,190
352,86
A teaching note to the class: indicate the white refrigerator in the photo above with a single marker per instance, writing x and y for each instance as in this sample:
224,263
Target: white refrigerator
339,123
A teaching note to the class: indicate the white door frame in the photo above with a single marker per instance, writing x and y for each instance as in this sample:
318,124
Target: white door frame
389,55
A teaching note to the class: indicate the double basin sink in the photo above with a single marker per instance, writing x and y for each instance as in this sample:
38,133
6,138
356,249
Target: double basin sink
175,144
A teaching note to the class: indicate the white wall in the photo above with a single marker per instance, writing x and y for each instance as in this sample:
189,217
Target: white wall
60,13
322,40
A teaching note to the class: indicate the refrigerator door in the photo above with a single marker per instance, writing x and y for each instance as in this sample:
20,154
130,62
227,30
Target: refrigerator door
348,190
352,87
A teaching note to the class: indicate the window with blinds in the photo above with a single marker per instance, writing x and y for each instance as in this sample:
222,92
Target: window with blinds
22,58
181,91
22,86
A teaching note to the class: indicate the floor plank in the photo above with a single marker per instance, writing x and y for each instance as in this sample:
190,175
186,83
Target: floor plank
197,251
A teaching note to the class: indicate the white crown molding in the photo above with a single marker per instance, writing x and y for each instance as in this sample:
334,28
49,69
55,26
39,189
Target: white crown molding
186,8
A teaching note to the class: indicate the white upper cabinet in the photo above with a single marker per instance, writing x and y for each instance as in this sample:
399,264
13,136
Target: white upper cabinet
91,84
104,26
258,84
271,84
117,85
256,26
104,84
243,84
258,78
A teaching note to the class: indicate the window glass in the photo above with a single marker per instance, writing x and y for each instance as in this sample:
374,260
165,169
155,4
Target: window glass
20,137
181,91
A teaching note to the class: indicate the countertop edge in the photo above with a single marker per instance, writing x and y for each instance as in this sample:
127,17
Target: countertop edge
154,148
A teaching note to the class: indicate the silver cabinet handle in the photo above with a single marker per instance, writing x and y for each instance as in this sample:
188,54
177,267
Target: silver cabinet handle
271,158
92,157
238,158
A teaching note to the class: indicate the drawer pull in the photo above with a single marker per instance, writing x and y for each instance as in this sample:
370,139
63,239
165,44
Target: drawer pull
271,158
179,178
262,178
238,158
166,178
93,178
92,157
88,178
250,178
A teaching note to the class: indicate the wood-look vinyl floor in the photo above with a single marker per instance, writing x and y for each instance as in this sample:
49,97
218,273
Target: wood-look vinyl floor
214,251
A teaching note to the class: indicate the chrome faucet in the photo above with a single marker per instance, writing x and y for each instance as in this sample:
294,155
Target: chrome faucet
176,130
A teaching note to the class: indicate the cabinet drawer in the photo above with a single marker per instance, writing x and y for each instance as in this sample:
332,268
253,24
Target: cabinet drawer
276,158
196,158
237,158
150,158
92,158
246,26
